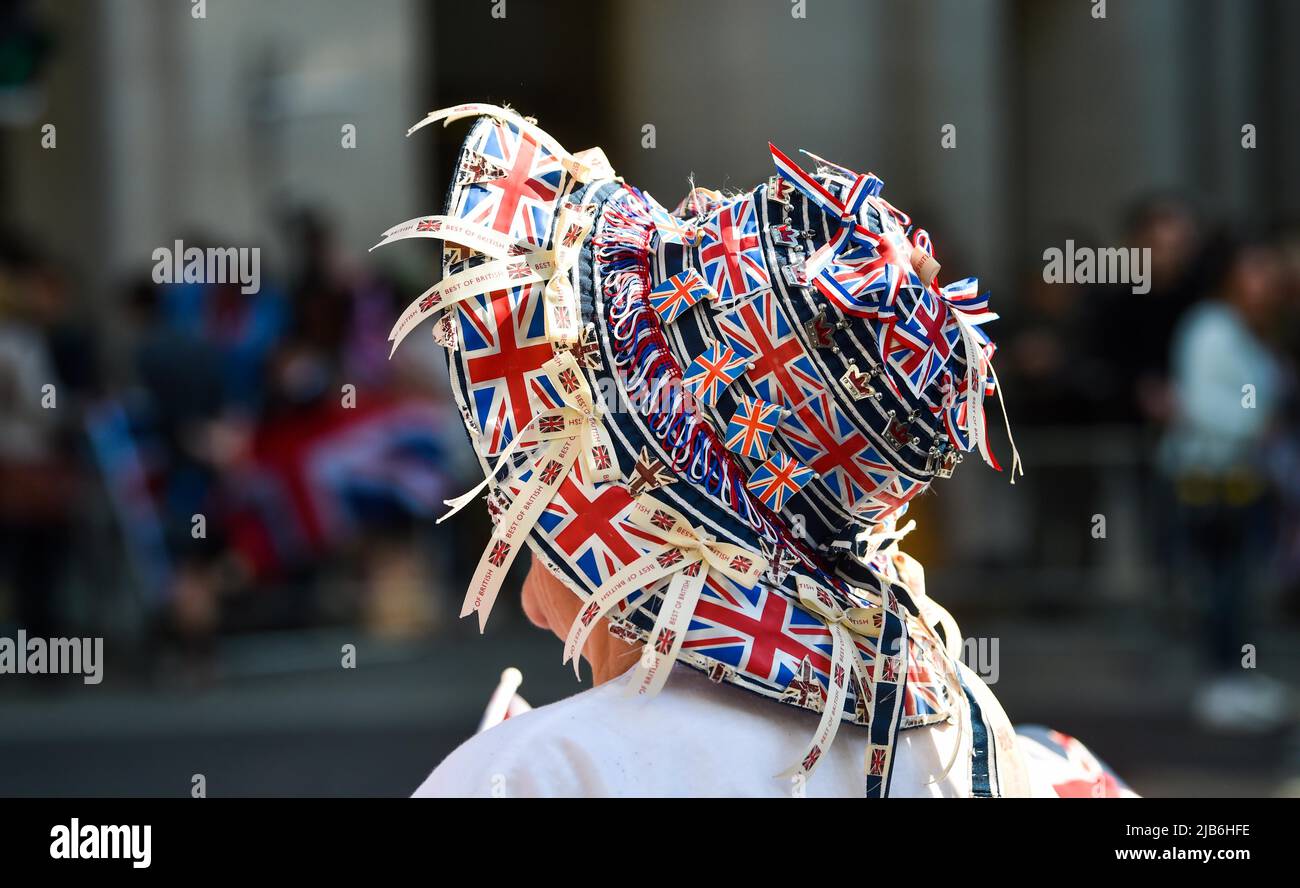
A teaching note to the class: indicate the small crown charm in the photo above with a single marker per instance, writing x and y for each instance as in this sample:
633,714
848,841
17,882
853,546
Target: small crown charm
859,383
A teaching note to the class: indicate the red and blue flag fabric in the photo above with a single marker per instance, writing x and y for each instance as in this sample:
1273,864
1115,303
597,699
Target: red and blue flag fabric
679,293
750,431
781,371
919,346
503,338
824,438
731,250
521,201
778,479
710,374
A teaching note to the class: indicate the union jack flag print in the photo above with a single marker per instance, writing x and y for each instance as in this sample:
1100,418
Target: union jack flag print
731,251
711,373
891,499
671,229
520,202
550,473
551,422
865,283
500,549
679,293
750,431
918,347
757,631
823,437
504,343
776,480
662,520
587,524
782,372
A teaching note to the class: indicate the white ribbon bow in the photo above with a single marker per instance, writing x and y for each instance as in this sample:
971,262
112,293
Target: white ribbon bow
844,624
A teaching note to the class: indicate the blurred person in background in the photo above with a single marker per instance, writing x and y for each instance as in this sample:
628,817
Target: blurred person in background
1229,385
345,464
176,405
1133,384
43,379
1287,462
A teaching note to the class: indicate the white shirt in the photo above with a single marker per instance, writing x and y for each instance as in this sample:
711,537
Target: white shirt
695,738
1215,355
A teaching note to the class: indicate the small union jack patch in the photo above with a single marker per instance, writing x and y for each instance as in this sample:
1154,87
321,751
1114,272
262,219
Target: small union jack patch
750,431
693,570
779,560
810,760
518,270
551,472
552,422
571,235
669,558
891,669
600,457
710,374
590,613
585,350
876,762
839,676
778,479
664,641
649,473
430,301
675,295
741,563
429,225
500,550
662,520
569,380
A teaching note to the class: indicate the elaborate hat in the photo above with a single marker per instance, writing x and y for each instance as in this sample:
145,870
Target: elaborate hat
708,422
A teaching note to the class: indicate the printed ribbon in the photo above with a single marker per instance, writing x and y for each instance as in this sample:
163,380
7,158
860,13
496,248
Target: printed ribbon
969,309
686,552
493,276
845,659
585,166
457,231
850,230
576,428
572,224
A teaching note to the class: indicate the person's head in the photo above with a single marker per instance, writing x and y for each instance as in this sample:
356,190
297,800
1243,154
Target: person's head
1170,227
1251,280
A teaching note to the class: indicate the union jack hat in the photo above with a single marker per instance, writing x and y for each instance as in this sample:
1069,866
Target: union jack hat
725,407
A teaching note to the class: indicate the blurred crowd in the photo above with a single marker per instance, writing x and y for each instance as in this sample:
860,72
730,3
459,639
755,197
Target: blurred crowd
1197,379
222,460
